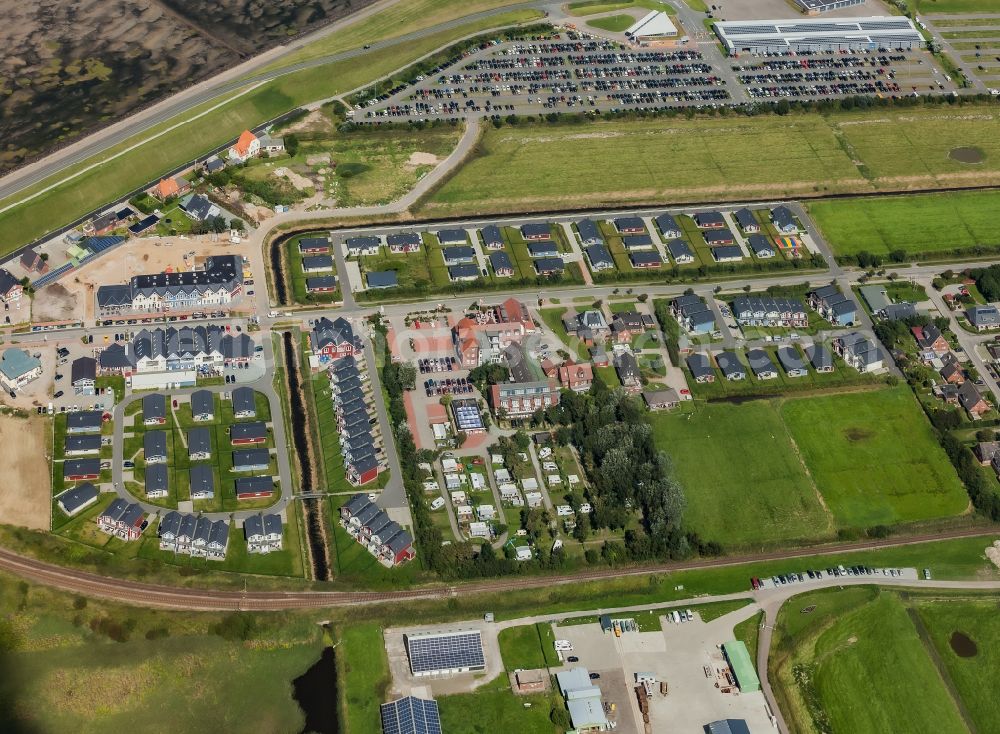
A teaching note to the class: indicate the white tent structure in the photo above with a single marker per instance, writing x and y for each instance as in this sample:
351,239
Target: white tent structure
656,24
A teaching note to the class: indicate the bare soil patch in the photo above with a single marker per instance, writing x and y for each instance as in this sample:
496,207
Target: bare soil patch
25,498
417,158
54,303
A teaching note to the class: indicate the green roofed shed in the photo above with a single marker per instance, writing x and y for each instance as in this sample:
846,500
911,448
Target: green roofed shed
743,667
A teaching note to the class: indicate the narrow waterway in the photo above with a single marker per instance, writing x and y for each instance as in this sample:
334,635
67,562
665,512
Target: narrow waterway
300,425
278,269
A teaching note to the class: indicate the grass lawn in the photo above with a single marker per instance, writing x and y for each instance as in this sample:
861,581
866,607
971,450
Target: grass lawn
712,158
553,319
363,677
741,491
613,23
957,6
583,8
530,646
480,712
841,667
930,224
748,631
975,676
851,445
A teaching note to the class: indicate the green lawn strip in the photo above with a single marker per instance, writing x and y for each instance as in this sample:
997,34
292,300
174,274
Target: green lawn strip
362,676
860,653
748,632
850,443
934,225
974,675
594,7
608,375
743,481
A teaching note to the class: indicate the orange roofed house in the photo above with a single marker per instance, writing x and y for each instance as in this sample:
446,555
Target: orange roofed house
481,337
174,186
577,377
247,147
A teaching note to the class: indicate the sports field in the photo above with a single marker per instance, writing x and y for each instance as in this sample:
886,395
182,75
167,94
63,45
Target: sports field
851,445
856,663
930,223
744,483
621,161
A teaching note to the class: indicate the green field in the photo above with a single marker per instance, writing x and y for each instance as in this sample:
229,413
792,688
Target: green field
613,23
975,676
479,712
957,6
863,660
701,159
743,481
868,476
794,469
932,224
583,8
363,674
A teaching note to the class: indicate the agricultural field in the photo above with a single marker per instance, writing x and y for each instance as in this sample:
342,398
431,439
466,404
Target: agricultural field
850,445
838,666
744,483
93,667
702,159
931,225
957,6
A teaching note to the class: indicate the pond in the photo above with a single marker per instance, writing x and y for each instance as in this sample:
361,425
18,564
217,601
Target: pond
316,693
967,155
963,645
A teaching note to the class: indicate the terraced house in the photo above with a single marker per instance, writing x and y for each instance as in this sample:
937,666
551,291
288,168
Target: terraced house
186,348
217,284
770,312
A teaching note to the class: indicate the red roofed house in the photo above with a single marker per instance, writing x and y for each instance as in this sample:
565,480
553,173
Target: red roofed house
247,147
174,186
930,337
577,377
482,336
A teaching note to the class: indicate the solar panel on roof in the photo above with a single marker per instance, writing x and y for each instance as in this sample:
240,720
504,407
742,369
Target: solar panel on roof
410,716
439,653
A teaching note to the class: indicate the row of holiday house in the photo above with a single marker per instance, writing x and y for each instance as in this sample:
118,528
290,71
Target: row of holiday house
360,443
171,349
372,527
218,283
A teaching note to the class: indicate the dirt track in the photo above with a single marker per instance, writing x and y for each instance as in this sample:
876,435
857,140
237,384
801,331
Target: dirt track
24,499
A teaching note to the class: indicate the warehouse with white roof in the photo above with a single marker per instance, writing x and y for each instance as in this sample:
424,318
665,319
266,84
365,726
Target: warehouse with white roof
818,34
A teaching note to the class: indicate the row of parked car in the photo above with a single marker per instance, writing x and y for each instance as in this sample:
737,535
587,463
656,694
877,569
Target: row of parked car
450,386
831,572
437,364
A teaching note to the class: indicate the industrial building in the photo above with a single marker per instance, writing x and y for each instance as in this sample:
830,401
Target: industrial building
656,24
815,7
819,35
445,653
583,699
742,666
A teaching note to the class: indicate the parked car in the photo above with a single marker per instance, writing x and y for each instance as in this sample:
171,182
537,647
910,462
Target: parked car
58,394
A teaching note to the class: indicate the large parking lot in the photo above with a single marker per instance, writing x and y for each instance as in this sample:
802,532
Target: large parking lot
803,75
564,73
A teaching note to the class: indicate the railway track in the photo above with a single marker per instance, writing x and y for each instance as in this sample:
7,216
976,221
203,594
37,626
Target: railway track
167,597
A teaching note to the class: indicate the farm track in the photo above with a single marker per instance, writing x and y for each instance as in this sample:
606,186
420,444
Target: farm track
166,597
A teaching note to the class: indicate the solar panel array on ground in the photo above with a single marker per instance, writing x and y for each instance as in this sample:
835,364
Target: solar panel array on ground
410,716
98,245
443,652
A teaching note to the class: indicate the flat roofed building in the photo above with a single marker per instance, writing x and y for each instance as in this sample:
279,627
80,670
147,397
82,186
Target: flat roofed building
445,653
815,7
819,34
